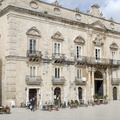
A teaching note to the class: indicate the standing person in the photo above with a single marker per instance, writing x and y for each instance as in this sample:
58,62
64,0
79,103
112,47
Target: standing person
32,104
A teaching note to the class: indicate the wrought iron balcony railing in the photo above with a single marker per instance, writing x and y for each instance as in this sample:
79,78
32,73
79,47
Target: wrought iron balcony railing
80,81
58,81
58,56
115,81
33,53
33,80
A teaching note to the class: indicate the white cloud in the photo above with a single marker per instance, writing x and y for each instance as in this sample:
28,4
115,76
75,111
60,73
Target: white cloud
112,9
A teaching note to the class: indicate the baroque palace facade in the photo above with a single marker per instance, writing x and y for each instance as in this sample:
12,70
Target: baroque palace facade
50,52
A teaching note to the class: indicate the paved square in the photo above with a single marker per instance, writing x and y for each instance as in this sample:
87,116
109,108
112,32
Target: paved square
110,111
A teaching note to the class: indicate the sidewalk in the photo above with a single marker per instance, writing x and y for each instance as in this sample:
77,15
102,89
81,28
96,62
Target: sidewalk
110,111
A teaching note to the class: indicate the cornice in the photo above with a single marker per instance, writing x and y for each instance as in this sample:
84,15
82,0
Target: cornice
53,18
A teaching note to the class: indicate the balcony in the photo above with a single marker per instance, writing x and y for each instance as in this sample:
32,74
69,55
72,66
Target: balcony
80,81
114,62
58,81
115,81
58,57
34,55
80,60
93,60
33,80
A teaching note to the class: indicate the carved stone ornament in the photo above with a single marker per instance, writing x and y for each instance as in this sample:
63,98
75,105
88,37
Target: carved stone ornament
33,32
112,25
78,16
58,36
114,46
98,41
33,5
57,11
56,3
79,40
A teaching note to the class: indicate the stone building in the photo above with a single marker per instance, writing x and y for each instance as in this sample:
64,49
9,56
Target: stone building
50,52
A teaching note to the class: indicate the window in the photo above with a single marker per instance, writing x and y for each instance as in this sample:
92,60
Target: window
32,46
114,74
56,47
97,54
32,71
79,73
113,54
79,51
57,72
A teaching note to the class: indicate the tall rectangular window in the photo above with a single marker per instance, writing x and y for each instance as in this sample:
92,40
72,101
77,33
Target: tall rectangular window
32,45
32,71
79,73
57,72
78,51
97,53
56,47
113,54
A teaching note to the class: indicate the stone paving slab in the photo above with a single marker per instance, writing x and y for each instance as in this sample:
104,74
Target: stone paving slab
110,111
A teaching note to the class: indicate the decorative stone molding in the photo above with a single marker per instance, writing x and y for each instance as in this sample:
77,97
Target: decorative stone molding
58,36
98,24
78,16
33,5
114,46
57,11
79,40
33,32
98,41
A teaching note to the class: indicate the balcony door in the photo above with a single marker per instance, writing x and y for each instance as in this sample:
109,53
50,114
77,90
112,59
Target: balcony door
97,54
78,52
57,48
114,93
57,72
32,74
79,73
32,46
114,57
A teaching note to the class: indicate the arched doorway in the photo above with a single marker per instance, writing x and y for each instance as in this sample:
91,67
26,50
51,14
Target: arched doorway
114,93
98,83
79,93
57,95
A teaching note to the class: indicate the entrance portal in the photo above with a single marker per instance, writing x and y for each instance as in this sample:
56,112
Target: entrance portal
98,83
32,93
80,93
114,93
57,95
99,87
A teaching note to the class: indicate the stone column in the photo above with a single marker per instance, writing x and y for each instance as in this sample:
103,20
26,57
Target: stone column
93,86
104,84
27,96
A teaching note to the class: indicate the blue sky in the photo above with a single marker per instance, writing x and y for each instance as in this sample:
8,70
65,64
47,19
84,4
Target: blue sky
109,8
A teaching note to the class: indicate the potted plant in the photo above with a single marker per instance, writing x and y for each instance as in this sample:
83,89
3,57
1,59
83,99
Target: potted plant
105,101
86,105
71,104
76,103
7,109
93,103
56,105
